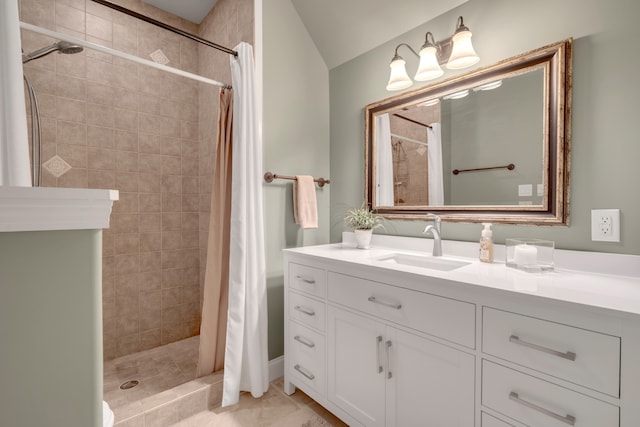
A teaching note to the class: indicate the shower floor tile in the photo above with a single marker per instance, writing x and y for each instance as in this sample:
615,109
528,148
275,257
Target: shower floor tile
156,370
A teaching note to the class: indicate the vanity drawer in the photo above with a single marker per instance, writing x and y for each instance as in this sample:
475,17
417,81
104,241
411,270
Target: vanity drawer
535,402
491,421
446,318
306,357
587,358
308,279
307,310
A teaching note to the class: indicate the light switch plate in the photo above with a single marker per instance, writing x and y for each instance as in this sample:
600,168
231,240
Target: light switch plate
605,225
525,190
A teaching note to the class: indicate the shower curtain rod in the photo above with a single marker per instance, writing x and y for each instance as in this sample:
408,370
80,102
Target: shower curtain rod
166,26
404,138
412,121
107,50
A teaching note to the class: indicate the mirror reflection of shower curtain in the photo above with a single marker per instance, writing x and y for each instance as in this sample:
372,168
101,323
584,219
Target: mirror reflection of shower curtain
384,162
436,184
14,148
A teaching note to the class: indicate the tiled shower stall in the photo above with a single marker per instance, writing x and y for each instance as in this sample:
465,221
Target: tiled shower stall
111,123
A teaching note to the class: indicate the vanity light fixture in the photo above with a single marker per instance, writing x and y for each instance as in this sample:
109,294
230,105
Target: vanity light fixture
457,51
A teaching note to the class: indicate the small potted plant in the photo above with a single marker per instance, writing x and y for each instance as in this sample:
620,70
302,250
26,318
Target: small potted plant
363,221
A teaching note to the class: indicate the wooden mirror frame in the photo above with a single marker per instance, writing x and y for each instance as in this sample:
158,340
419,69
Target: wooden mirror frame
557,61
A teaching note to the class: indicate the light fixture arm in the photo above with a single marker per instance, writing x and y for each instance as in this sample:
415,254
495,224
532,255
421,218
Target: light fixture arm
396,56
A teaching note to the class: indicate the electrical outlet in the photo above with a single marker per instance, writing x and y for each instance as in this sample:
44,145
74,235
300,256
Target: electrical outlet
605,225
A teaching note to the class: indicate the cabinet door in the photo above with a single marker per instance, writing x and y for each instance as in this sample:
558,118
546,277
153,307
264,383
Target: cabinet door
431,384
356,374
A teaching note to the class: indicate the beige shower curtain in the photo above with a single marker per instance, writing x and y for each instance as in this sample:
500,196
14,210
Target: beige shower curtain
213,328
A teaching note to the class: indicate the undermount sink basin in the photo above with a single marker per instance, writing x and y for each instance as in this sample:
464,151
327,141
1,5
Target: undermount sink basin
434,263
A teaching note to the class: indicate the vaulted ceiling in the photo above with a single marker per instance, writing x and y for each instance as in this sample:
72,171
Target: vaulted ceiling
340,29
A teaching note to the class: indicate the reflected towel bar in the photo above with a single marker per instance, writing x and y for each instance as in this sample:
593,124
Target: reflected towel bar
510,166
269,177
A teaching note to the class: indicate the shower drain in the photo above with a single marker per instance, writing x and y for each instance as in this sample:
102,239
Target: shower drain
129,384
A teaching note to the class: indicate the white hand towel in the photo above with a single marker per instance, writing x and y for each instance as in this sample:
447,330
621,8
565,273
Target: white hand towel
305,207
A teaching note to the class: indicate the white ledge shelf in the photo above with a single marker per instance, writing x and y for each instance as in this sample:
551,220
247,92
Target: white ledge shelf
48,208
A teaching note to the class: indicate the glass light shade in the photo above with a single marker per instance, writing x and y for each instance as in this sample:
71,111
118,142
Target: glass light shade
457,95
462,54
398,79
428,69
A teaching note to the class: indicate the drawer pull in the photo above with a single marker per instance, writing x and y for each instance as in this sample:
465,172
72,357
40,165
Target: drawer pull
378,342
304,372
304,342
569,355
386,304
305,310
388,360
306,280
568,419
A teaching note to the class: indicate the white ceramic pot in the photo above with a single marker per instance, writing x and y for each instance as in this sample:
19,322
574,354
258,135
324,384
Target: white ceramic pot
363,237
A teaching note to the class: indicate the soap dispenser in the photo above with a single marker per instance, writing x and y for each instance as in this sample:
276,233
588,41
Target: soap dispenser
486,243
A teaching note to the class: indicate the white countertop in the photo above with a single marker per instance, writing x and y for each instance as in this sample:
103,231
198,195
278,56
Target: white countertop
596,288
48,208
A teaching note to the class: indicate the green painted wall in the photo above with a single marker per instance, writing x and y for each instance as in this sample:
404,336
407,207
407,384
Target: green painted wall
51,329
296,142
606,101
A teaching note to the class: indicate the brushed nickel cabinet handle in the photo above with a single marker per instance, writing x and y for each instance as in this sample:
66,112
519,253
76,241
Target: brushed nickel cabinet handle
378,342
304,372
388,359
568,419
305,310
386,304
569,355
304,341
306,280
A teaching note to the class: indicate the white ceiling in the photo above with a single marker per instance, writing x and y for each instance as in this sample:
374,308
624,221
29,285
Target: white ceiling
341,29
344,29
191,10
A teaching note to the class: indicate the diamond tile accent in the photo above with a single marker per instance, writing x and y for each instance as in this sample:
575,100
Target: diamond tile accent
159,57
56,166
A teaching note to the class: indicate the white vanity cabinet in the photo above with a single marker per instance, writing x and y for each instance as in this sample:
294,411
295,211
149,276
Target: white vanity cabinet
380,346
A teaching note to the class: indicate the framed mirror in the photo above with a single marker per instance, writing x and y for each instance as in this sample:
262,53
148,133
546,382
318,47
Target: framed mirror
491,145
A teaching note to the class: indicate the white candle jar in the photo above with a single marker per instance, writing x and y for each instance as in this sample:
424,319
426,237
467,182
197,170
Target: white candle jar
531,255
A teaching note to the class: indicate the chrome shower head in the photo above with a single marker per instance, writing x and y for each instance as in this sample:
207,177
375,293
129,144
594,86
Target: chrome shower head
62,47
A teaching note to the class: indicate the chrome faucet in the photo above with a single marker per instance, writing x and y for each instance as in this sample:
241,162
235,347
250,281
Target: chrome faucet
435,232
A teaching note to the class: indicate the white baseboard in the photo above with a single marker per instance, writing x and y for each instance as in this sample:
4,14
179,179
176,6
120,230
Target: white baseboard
276,368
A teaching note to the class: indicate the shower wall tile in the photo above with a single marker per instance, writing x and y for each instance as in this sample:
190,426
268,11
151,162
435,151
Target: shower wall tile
38,12
98,136
150,242
75,178
72,65
150,222
99,10
74,155
71,133
71,87
102,179
70,17
99,27
150,202
150,280
125,140
99,93
100,115
78,4
126,181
